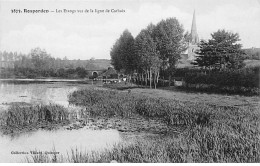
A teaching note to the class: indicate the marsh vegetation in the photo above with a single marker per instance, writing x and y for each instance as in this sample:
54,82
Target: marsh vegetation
210,133
195,131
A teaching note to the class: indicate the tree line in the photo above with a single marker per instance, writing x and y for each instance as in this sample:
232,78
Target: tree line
38,63
155,52
152,53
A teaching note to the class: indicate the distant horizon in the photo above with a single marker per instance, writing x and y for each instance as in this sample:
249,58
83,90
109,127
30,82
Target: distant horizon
94,57
85,36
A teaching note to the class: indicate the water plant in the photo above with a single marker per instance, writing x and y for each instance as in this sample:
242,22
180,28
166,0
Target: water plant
19,116
213,133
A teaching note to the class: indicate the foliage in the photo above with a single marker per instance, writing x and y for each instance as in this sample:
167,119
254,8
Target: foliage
222,51
79,72
40,59
113,103
155,50
103,102
38,63
19,116
252,53
212,133
122,53
170,40
148,57
245,80
202,144
121,86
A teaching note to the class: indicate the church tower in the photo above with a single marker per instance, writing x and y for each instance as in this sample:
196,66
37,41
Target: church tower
194,41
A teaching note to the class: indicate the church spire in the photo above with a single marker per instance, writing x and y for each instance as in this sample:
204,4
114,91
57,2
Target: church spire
194,41
194,34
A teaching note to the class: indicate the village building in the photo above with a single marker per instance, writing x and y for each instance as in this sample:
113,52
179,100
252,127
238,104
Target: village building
190,54
111,73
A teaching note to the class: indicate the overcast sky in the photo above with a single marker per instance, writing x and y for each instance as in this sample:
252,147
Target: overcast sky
86,35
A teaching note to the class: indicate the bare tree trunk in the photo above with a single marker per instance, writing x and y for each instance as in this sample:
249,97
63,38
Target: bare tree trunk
142,78
154,79
130,79
169,80
150,78
157,78
138,79
163,81
146,79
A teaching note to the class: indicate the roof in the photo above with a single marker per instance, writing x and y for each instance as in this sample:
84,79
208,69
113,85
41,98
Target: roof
110,71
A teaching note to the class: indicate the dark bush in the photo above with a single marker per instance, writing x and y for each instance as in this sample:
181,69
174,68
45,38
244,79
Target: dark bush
244,81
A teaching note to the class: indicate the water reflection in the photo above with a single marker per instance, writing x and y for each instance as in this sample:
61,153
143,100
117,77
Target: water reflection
36,93
62,140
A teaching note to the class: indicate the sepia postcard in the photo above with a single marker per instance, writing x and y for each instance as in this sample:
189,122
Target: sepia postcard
129,81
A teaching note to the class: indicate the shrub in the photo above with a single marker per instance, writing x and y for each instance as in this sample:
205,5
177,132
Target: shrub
244,81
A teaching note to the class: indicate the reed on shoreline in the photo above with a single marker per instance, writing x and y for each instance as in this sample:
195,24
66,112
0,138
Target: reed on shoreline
202,144
214,133
23,116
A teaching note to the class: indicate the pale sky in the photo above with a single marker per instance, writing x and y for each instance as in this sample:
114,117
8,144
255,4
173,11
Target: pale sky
86,35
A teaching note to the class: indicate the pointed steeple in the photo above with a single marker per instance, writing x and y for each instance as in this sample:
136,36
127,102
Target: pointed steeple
194,34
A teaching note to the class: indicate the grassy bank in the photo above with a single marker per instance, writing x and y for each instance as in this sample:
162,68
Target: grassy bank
22,118
213,133
122,86
202,144
110,103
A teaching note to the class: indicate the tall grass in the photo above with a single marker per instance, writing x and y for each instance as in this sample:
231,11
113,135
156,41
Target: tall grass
122,86
26,115
104,102
113,103
202,144
213,133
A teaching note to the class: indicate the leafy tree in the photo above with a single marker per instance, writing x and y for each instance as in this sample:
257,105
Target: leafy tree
62,73
147,55
122,53
222,51
5,56
171,41
39,58
81,72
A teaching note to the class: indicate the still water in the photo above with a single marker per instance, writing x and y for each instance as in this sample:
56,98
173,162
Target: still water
19,148
44,92
36,91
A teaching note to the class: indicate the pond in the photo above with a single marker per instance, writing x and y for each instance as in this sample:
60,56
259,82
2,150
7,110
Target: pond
38,91
44,92
17,149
